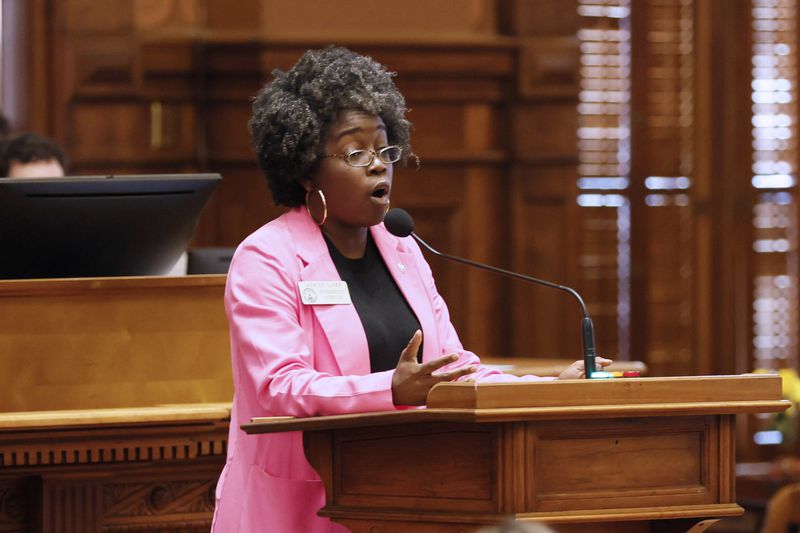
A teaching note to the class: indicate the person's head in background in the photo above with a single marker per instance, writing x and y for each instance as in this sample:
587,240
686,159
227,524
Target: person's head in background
5,126
28,155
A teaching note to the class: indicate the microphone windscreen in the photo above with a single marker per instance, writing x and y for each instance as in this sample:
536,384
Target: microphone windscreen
399,222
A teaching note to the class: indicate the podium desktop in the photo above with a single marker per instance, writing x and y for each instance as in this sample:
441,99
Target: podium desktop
84,226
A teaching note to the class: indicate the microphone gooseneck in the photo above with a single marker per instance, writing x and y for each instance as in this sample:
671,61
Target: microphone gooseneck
400,224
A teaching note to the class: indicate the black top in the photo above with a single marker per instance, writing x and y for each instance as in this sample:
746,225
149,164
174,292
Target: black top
387,318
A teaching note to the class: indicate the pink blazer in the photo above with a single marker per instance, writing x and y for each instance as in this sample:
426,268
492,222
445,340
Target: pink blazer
306,360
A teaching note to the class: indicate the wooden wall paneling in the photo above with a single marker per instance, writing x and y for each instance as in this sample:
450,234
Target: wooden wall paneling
544,174
107,134
538,324
50,23
451,89
83,16
640,311
596,266
159,97
90,70
246,16
440,129
548,66
91,55
168,15
240,205
169,69
545,129
706,33
435,196
678,276
543,137
493,59
232,75
544,18
662,223
122,107
486,240
723,155
347,20
726,142
454,93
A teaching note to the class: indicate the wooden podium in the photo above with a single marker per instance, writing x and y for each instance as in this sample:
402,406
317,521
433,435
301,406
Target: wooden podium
114,403
634,454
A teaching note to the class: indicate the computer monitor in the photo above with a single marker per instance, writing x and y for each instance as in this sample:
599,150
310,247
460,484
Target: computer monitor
81,226
210,260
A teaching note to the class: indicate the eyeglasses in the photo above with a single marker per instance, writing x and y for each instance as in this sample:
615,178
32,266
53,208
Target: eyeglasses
364,158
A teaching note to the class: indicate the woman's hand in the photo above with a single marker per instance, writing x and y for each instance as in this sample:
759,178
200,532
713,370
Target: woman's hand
412,381
577,371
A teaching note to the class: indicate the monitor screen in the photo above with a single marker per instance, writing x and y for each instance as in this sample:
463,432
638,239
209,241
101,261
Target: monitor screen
80,226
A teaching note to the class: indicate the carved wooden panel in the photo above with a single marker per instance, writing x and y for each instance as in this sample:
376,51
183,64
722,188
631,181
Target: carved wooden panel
107,447
172,504
158,497
19,504
126,479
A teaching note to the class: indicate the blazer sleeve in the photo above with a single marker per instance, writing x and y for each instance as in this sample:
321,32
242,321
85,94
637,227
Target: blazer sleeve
448,338
273,360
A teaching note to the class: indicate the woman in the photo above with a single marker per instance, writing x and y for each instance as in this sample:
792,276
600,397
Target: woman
327,134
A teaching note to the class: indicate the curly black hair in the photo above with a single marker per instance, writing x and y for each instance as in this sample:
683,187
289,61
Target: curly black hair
292,113
27,148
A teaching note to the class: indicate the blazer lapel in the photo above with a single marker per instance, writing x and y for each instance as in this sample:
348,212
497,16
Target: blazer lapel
406,273
340,323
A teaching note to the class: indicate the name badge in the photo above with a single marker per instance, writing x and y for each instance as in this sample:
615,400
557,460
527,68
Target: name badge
324,292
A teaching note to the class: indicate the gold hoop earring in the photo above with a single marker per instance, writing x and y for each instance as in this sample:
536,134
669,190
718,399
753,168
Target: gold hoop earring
324,207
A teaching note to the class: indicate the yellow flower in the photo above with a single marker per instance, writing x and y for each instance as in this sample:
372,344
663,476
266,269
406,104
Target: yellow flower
790,384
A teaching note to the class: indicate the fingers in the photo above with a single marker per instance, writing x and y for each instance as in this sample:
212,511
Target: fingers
603,361
598,361
453,375
436,364
426,371
412,348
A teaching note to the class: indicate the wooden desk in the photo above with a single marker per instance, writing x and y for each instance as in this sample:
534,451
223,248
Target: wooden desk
639,454
114,403
551,366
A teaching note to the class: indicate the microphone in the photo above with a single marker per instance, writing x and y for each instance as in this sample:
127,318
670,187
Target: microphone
400,224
